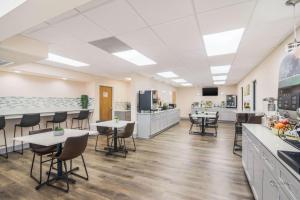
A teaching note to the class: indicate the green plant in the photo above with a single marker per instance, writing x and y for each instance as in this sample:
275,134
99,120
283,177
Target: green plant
84,101
165,106
58,129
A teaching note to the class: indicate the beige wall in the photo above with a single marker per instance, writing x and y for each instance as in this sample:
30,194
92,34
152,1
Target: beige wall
186,96
267,75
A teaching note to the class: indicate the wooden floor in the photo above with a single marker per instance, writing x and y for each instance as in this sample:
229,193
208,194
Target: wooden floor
174,165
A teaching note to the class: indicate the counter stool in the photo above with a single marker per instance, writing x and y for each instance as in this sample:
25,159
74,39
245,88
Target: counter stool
28,120
2,126
237,144
83,115
58,118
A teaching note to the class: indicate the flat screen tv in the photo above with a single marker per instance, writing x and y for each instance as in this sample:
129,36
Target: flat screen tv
209,91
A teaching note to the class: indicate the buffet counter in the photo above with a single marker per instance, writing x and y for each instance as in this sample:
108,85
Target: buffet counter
268,175
152,123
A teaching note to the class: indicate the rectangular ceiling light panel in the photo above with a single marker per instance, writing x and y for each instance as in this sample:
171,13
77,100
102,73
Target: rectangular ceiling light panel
220,78
134,57
8,5
186,84
167,74
224,69
223,43
179,80
219,82
67,61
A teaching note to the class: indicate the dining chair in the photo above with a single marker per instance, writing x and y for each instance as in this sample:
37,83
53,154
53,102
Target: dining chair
2,128
213,124
127,133
27,121
40,151
58,118
103,131
193,122
73,148
83,115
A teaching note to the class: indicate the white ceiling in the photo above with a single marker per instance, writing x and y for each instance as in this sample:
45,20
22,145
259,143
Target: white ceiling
169,32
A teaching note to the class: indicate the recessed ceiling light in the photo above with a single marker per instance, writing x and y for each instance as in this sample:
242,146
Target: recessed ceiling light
128,78
219,82
179,80
134,57
64,78
220,78
63,60
168,74
224,69
223,43
186,84
8,5
17,71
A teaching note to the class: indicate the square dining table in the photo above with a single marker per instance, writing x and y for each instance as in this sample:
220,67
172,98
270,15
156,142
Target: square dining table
203,116
115,125
49,139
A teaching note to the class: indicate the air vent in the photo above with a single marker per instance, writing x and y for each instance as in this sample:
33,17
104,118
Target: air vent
5,62
111,45
291,46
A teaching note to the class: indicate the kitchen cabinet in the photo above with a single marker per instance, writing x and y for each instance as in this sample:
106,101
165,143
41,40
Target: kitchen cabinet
268,176
151,124
124,115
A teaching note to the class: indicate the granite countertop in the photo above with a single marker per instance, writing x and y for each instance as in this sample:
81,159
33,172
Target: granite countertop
272,142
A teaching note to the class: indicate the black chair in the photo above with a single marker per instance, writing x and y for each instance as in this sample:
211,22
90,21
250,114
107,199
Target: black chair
83,115
103,131
253,119
2,127
127,133
59,117
237,143
27,121
40,151
73,148
193,122
213,124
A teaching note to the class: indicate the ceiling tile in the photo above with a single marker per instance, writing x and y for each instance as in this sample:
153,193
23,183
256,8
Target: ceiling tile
205,5
116,16
160,11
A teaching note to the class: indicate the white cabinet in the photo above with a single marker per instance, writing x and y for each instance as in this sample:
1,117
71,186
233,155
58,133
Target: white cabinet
268,178
150,124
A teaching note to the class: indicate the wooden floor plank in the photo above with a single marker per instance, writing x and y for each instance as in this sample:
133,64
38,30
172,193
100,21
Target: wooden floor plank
173,165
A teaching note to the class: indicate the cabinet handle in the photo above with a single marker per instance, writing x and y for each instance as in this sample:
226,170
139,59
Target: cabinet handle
272,183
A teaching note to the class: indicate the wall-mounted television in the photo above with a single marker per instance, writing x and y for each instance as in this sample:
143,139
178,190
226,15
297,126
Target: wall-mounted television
209,91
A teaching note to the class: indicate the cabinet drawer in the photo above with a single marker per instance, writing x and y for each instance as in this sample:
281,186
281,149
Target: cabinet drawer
289,183
270,161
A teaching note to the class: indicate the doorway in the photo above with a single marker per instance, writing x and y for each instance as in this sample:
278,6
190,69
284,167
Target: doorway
105,102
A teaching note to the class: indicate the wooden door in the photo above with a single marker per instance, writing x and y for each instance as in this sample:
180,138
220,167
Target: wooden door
105,103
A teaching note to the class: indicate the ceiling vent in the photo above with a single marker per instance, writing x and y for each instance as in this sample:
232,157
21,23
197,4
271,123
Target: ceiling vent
5,62
111,45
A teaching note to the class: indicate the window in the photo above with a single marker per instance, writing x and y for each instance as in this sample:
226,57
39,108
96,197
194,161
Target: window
254,95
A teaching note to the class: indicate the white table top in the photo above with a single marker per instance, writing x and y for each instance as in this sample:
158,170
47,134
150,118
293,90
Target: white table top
112,124
204,115
48,139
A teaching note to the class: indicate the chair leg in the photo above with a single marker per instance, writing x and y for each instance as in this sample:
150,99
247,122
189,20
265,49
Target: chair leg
89,123
5,144
51,165
32,164
22,142
39,126
86,172
133,143
14,143
66,123
72,123
46,124
67,176
125,148
96,143
78,124
191,128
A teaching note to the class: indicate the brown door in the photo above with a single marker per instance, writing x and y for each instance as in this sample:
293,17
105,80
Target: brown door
105,103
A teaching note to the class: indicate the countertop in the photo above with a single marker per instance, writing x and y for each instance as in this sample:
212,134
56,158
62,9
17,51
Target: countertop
122,110
43,112
157,112
272,142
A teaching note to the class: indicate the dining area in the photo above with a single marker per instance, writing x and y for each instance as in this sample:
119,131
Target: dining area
202,121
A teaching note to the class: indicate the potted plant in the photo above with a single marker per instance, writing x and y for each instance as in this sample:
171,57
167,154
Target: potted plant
165,106
116,118
84,101
58,131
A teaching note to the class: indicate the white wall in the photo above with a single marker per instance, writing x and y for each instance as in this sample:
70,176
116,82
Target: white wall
267,75
186,96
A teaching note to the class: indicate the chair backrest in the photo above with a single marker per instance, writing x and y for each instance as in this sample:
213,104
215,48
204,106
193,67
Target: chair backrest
128,131
2,122
254,119
242,117
102,129
83,114
74,147
29,120
36,146
60,117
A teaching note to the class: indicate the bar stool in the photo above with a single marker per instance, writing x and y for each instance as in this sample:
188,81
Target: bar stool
237,144
83,115
2,126
58,118
28,120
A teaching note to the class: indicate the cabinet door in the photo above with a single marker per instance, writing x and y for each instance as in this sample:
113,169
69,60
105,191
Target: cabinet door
270,186
257,172
244,149
250,160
